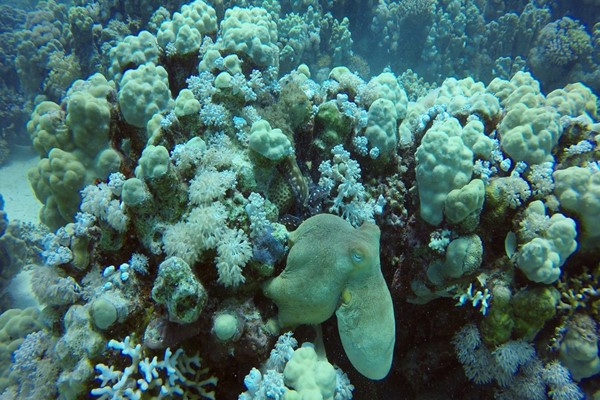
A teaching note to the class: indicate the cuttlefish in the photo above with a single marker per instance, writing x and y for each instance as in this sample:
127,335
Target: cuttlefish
333,267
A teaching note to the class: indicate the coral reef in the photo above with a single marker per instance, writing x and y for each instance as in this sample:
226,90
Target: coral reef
214,174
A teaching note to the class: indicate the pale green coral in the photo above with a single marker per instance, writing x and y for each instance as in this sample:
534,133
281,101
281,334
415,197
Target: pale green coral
532,308
309,375
134,192
132,52
105,310
89,113
574,99
47,128
385,86
466,96
579,348
15,324
186,104
56,182
164,183
497,326
269,143
529,134
252,33
225,326
294,38
381,127
444,163
184,32
143,92
154,163
463,206
332,126
74,148
578,190
522,88
473,135
80,342
463,257
541,257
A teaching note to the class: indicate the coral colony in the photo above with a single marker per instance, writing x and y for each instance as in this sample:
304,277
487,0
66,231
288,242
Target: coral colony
303,200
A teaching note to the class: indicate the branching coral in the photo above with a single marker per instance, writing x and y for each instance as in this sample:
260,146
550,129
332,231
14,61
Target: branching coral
580,292
175,374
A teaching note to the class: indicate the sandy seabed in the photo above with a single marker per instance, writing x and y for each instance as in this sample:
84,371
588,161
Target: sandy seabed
19,200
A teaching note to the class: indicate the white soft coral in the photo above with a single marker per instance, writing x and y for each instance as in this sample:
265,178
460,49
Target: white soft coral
98,201
233,252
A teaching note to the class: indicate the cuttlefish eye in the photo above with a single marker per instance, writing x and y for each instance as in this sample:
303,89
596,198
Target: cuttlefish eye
357,257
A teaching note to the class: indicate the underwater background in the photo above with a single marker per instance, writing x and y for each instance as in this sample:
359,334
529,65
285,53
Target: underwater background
299,199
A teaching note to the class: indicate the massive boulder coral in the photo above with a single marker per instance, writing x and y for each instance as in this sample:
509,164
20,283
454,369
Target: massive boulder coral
132,52
143,92
579,348
381,127
15,325
465,96
269,143
385,86
444,163
521,88
184,32
251,33
574,99
463,257
74,147
541,257
578,190
530,134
